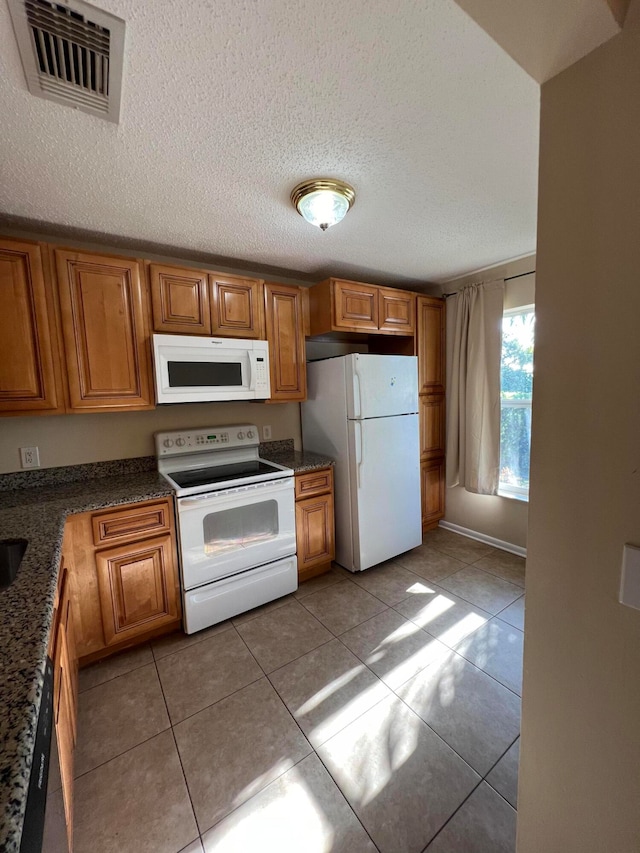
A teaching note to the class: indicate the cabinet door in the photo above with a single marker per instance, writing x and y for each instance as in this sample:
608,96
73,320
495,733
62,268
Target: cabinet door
432,426
138,588
180,299
236,307
432,483
65,618
106,333
431,357
285,333
355,306
396,311
64,713
29,355
314,534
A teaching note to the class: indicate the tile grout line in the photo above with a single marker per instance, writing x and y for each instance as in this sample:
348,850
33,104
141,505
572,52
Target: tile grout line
349,806
120,754
175,743
483,779
113,677
194,643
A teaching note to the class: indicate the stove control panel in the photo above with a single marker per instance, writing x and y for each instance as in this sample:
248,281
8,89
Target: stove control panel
206,438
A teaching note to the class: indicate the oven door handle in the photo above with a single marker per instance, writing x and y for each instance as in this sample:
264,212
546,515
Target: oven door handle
263,489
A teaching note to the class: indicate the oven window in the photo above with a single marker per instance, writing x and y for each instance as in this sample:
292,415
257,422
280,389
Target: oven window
200,374
240,527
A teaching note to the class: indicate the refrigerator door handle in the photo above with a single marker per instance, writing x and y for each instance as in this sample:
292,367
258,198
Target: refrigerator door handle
357,396
359,447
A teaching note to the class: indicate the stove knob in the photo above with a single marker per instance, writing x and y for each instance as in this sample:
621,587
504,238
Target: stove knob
251,434
180,442
168,442
241,436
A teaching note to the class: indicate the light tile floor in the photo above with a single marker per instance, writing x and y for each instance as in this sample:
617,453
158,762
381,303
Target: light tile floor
377,711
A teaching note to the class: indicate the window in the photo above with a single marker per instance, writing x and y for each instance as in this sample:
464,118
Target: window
516,387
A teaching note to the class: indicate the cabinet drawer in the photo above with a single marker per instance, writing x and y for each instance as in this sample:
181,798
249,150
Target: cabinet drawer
314,483
134,522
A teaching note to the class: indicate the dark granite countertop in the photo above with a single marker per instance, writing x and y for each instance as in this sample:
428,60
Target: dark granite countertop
299,460
34,508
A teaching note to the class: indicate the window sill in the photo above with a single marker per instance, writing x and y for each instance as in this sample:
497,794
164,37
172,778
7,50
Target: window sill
506,493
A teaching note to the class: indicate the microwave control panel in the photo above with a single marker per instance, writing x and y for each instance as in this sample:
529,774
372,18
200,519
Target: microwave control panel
208,438
262,374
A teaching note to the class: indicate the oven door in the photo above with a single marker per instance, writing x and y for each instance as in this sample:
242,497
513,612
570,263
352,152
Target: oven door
229,531
194,369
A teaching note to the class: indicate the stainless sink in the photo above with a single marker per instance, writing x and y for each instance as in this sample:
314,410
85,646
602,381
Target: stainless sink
11,554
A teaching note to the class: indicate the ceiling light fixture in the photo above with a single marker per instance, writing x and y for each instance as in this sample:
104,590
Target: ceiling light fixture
323,201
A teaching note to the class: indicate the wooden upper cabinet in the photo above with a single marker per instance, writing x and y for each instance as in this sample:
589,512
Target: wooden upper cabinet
236,307
337,305
431,352
355,306
197,302
284,308
397,309
104,310
180,299
29,356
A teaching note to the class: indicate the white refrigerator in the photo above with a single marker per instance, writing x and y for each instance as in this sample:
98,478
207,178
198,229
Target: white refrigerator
362,410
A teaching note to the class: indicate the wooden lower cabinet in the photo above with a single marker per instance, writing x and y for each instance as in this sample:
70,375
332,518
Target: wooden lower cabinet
315,528
125,576
137,588
65,697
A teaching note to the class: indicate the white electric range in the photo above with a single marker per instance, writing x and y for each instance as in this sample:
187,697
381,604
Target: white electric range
236,521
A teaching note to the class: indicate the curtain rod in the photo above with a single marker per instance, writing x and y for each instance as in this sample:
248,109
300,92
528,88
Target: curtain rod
509,278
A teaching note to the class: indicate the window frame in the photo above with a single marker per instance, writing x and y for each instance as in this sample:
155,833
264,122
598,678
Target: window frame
507,490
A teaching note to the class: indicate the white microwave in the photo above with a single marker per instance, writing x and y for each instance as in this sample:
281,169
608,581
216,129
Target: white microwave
191,369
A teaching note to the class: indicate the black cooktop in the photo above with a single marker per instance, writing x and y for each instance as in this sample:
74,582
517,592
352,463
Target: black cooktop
214,474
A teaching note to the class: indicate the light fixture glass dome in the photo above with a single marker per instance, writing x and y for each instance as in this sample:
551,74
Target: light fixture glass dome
323,201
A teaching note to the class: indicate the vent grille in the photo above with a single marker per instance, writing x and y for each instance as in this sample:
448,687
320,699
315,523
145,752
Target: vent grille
74,54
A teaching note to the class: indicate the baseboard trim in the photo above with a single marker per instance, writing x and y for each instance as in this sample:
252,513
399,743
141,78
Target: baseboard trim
482,537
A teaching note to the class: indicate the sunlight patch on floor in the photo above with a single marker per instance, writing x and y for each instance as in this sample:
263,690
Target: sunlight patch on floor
263,780
291,813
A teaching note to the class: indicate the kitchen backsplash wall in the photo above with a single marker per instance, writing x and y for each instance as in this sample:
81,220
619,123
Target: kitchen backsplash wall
74,439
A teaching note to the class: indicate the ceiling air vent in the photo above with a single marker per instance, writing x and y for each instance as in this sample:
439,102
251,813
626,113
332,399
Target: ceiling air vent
71,53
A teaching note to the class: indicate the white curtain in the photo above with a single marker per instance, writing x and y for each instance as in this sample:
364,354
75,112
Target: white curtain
474,343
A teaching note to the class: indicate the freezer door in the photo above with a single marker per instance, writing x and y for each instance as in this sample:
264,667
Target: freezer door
381,385
385,489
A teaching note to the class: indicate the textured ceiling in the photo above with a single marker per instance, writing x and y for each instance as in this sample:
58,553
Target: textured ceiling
229,103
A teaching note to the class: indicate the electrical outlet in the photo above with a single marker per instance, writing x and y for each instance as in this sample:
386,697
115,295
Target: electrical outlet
29,457
630,581
266,433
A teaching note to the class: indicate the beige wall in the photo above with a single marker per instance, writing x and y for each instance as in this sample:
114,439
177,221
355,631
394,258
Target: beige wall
73,439
580,759
500,518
